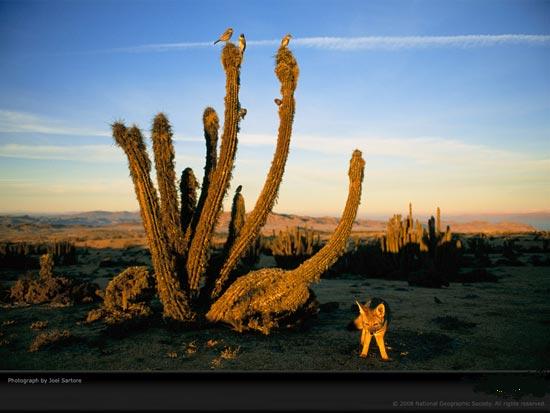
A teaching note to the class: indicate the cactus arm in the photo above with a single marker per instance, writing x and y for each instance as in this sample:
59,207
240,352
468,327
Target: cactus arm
196,259
237,218
163,150
188,190
287,72
211,125
174,300
312,268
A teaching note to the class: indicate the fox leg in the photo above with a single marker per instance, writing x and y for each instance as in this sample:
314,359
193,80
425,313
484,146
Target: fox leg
365,341
380,341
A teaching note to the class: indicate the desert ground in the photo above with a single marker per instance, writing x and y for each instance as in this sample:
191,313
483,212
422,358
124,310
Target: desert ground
502,325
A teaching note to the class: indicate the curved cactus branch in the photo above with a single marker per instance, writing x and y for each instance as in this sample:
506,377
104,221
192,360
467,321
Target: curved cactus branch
163,150
287,71
196,259
311,269
175,302
260,299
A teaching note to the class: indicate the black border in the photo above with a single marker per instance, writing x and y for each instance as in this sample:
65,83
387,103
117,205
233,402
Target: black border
277,391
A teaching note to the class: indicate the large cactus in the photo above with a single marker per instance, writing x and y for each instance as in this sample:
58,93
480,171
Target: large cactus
179,233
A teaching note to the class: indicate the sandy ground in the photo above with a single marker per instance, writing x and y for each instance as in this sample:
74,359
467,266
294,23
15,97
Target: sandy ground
483,326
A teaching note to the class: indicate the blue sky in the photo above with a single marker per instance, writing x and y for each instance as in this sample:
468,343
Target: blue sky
448,100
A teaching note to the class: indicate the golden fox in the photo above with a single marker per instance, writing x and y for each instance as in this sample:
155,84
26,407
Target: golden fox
374,318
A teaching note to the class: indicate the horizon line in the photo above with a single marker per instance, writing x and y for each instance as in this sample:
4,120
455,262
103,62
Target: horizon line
316,214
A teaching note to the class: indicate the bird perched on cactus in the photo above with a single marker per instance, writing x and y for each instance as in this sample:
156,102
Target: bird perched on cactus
242,113
286,40
242,43
277,101
225,36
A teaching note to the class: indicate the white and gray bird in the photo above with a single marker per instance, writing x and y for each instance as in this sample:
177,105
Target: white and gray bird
242,43
242,113
225,36
278,101
286,40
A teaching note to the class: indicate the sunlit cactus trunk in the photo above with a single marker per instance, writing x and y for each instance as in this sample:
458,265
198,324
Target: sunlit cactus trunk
175,302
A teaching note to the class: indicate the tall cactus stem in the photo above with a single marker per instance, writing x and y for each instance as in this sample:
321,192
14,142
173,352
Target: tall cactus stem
287,72
163,150
200,244
174,300
211,126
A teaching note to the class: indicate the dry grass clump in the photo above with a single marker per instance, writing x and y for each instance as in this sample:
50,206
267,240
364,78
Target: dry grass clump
227,353
39,325
6,323
212,343
172,355
49,339
191,348
57,290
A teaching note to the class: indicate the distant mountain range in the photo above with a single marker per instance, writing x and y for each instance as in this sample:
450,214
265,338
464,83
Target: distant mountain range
488,223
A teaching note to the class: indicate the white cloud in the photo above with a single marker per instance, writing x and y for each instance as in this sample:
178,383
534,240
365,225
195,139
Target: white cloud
82,153
361,43
414,42
22,122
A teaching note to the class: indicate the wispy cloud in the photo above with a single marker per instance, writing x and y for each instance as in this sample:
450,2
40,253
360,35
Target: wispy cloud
22,122
81,153
361,43
415,42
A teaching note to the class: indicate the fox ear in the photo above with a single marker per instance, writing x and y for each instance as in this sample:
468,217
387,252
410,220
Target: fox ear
380,310
361,309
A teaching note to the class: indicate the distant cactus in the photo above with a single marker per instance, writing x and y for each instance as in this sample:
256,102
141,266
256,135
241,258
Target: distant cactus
428,258
189,277
291,247
26,256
